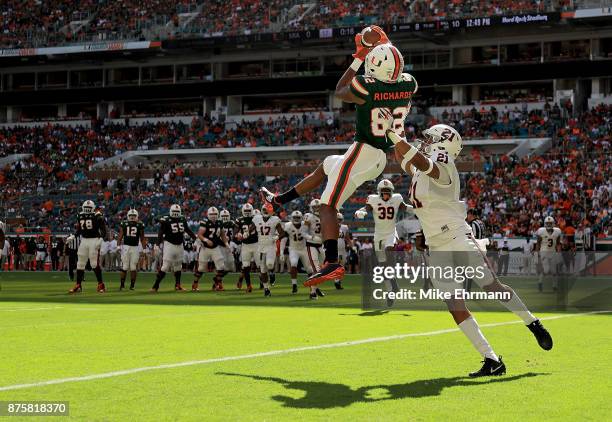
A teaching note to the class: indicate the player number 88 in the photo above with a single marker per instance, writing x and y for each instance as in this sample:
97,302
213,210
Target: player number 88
379,124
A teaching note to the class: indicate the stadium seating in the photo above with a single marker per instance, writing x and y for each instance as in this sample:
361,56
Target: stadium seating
31,24
48,187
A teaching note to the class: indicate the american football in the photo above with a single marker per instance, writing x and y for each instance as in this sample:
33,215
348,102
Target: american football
305,210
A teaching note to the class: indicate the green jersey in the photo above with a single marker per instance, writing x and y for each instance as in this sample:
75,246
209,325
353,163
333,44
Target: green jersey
173,229
132,232
395,97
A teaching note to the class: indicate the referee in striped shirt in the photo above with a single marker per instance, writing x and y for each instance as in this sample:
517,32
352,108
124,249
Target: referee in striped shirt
479,231
70,250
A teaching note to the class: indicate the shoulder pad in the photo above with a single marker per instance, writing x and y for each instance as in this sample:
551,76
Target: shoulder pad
407,77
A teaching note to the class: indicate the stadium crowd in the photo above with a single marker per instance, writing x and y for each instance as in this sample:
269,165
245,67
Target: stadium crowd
569,181
31,23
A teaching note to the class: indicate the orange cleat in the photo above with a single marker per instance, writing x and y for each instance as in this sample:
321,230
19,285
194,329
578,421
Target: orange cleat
330,271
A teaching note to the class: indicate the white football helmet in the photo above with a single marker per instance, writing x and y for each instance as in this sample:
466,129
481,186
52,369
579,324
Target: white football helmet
175,211
549,222
315,206
340,218
296,217
385,186
384,63
212,214
132,215
225,216
441,138
88,206
247,210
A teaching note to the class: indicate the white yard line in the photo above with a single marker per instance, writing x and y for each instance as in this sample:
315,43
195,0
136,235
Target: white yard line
30,309
265,354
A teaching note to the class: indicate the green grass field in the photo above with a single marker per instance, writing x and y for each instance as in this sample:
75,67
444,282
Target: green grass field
233,356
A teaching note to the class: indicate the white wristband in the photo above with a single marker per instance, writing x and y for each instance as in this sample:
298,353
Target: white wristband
431,164
408,156
356,64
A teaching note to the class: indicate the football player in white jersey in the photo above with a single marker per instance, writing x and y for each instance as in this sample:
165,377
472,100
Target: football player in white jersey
385,208
314,246
435,197
297,234
344,242
548,243
269,229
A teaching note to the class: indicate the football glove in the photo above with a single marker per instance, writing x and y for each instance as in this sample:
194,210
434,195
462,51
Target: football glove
360,214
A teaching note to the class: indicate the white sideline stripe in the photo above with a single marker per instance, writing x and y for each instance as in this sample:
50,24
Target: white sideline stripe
30,309
270,353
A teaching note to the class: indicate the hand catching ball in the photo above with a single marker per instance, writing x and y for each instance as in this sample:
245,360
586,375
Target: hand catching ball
369,37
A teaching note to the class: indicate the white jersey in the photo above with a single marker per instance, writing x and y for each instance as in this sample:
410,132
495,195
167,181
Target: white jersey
313,224
549,239
385,212
266,229
436,205
297,235
344,230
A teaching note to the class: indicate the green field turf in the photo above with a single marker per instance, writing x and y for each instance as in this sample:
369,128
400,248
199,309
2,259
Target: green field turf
48,335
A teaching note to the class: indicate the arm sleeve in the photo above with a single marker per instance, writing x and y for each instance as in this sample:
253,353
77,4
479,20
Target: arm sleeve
358,87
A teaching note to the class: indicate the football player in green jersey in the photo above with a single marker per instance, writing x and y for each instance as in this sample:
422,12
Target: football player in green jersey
131,232
382,96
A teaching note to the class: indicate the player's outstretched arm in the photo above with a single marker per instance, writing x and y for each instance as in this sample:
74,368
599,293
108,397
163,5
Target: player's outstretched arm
411,156
363,211
343,90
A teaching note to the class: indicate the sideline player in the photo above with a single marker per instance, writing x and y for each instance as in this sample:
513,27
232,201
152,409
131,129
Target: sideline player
382,97
547,246
269,228
212,239
131,232
92,230
434,193
385,207
172,229
248,250
344,242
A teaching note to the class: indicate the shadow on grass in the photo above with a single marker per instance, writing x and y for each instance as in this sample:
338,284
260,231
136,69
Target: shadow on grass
325,395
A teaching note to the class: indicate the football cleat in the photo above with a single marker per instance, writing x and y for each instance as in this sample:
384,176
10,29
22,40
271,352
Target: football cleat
101,288
541,334
178,288
153,290
267,293
330,271
132,285
76,289
239,285
220,287
313,296
249,289
319,293
294,289
195,287
121,287
490,368
338,285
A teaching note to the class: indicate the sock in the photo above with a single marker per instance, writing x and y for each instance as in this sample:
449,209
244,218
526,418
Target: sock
123,275
294,281
331,250
80,276
158,279
472,331
196,276
517,307
177,278
272,277
98,272
247,276
288,196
